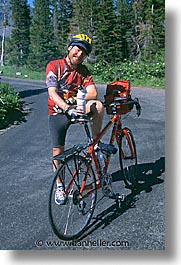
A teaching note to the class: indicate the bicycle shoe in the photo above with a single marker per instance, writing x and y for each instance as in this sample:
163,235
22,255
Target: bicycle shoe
60,195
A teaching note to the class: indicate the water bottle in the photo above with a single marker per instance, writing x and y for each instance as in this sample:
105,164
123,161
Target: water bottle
100,158
81,102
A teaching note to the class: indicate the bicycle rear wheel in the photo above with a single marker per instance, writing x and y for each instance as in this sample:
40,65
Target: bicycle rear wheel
128,158
70,220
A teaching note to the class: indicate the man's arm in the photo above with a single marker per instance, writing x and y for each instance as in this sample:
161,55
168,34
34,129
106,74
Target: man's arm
52,92
91,92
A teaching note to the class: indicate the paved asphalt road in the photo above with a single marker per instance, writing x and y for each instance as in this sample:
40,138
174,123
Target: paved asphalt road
26,174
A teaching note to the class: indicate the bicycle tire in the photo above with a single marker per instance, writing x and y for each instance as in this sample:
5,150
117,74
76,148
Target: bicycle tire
69,221
128,158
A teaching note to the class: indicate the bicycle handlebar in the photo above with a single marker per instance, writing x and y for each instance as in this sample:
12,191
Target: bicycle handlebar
118,101
122,101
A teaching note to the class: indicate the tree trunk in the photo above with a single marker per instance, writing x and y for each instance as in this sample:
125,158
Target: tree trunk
2,44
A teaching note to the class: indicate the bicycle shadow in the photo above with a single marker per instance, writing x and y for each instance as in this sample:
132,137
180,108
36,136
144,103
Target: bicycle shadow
148,176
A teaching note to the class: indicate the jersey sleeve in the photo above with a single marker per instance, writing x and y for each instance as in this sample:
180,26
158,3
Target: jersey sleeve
51,74
87,79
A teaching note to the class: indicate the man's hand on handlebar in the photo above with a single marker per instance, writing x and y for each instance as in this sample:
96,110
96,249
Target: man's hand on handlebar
72,111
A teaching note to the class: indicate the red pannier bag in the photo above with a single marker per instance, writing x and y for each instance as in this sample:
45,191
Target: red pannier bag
124,88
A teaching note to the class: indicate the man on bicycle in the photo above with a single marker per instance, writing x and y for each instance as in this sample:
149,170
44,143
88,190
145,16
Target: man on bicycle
63,76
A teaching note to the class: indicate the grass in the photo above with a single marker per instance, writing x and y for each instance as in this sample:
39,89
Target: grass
21,72
139,73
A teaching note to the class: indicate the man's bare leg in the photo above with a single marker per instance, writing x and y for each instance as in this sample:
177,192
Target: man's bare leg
57,151
98,110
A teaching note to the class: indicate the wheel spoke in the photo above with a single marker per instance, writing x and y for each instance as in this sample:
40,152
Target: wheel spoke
128,158
70,220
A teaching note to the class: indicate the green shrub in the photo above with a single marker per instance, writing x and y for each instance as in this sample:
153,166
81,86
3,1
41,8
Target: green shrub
8,103
139,73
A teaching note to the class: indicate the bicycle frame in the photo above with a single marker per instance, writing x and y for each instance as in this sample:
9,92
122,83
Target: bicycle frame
130,145
91,153
83,171
116,129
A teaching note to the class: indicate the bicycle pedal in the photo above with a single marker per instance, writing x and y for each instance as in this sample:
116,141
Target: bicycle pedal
119,199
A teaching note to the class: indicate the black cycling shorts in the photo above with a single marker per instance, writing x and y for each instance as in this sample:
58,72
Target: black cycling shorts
58,125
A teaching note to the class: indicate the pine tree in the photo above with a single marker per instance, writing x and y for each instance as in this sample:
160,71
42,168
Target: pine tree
105,31
158,12
147,29
83,20
122,28
61,12
4,22
83,17
153,28
20,40
42,39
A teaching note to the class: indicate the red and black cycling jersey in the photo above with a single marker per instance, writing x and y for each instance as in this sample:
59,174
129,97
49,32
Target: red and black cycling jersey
60,75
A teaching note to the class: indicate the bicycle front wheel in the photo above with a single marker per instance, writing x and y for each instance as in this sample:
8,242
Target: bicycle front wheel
70,220
128,158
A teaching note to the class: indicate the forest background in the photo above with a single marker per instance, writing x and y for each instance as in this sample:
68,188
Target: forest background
128,37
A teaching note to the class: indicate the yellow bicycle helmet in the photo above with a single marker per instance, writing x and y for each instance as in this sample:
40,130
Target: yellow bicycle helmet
81,40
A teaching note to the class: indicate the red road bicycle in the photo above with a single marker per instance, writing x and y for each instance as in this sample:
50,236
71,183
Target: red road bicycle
83,169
